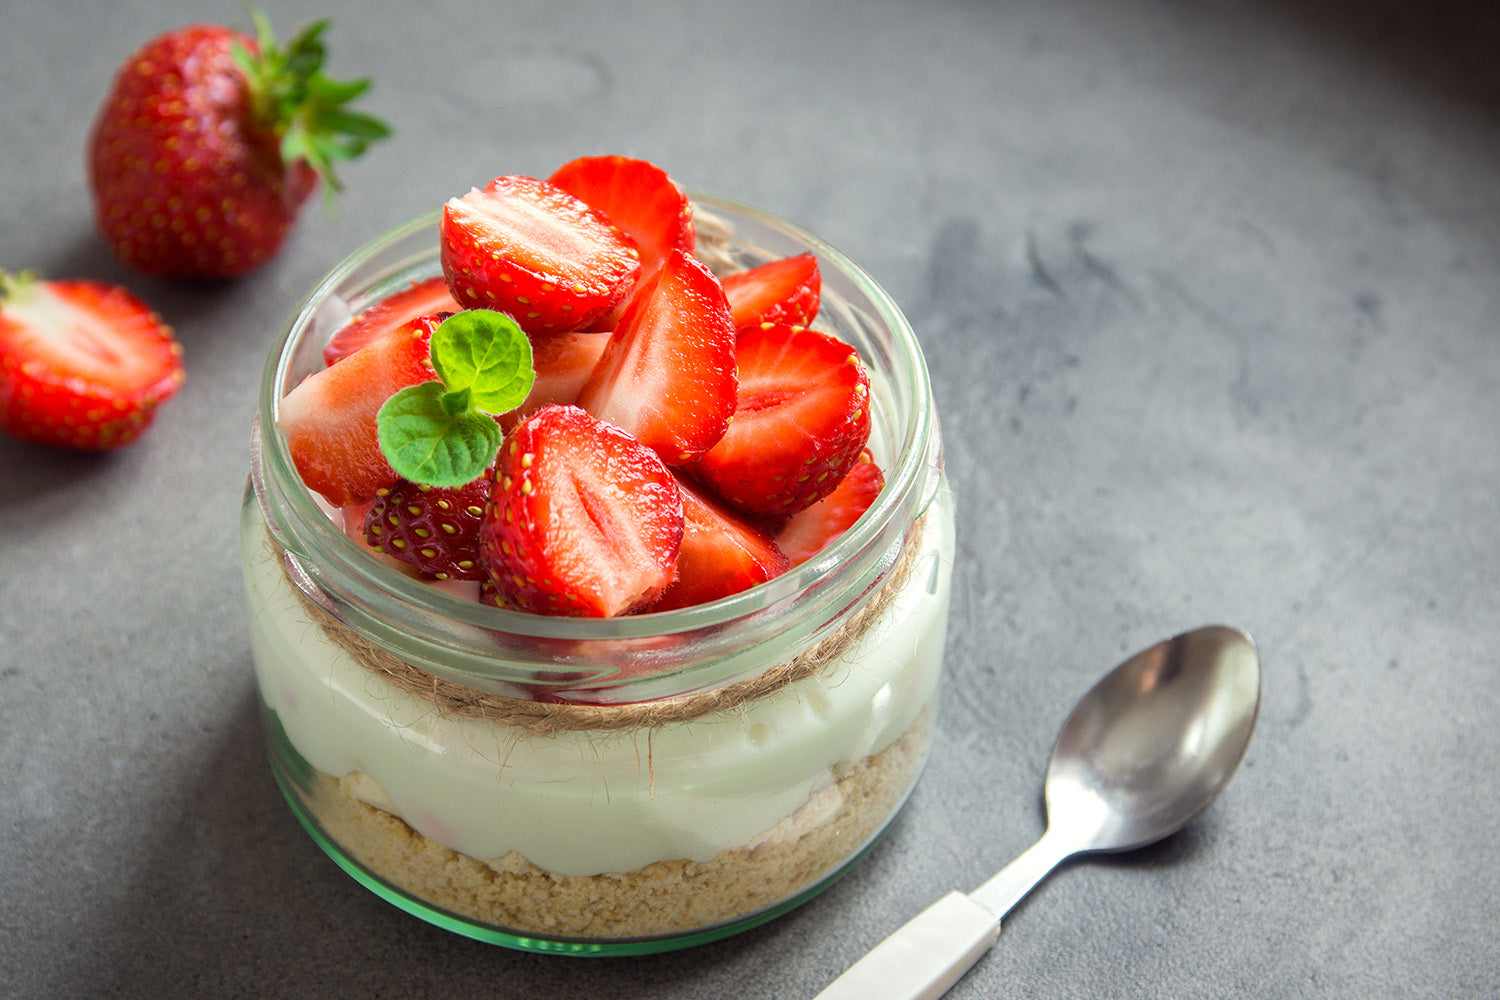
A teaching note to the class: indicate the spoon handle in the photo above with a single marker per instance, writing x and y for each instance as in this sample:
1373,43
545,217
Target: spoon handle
1009,885
931,951
924,957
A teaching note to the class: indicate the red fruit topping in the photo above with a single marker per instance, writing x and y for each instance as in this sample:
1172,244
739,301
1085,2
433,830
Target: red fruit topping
668,373
788,290
583,521
722,554
802,419
83,364
562,362
806,532
637,196
530,249
433,528
421,298
329,419
354,530
200,162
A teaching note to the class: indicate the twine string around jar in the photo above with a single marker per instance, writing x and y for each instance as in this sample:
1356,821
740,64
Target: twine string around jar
543,718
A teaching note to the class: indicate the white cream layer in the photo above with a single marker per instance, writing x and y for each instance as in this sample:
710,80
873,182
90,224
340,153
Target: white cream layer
582,803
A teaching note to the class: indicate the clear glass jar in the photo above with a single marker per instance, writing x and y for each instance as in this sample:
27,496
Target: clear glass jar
616,786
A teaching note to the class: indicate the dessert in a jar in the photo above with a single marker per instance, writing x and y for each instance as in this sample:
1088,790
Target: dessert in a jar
609,621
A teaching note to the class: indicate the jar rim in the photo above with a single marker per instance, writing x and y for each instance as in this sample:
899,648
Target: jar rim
908,471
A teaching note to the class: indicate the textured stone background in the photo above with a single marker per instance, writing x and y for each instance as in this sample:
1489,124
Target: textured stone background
1208,292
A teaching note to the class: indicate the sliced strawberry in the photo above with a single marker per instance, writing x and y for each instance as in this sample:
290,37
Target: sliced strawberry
802,418
83,364
722,554
435,529
788,290
808,531
583,520
530,249
637,196
668,373
421,298
562,362
329,419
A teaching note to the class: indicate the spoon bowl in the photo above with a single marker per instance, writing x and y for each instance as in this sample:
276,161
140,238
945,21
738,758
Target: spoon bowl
1152,744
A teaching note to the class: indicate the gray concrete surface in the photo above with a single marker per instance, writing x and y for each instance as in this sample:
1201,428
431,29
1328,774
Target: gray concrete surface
1208,292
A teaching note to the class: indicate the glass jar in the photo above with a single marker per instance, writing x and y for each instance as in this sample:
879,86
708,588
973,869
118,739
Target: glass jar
616,786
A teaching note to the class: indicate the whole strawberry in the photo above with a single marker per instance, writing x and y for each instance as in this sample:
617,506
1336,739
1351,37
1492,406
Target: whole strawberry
434,528
210,142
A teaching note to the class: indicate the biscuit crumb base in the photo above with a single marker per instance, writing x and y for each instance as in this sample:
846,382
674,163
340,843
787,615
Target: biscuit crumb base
664,899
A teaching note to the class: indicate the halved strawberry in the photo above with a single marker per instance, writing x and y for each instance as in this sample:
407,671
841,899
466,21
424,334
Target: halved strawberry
530,249
435,529
562,361
639,197
668,373
583,520
421,298
806,532
802,419
722,554
787,290
83,364
329,418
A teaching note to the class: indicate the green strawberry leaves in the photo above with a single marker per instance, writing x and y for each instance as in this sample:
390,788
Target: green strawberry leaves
443,433
307,110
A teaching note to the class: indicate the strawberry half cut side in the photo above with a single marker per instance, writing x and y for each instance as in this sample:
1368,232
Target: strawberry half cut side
722,554
83,364
420,298
668,373
788,290
528,248
329,418
810,530
583,519
803,418
639,197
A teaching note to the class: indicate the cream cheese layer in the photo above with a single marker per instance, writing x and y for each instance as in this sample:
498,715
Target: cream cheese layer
585,802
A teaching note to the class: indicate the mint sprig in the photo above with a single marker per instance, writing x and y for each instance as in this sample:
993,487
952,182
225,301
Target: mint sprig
443,432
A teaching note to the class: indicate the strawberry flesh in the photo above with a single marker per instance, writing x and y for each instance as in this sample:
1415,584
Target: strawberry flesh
808,532
639,197
802,419
787,290
420,298
561,361
583,519
83,364
722,554
530,249
329,418
668,373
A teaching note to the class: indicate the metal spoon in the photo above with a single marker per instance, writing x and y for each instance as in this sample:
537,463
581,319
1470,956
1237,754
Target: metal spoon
1144,752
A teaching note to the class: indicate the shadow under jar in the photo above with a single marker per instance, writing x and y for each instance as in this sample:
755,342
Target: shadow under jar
615,786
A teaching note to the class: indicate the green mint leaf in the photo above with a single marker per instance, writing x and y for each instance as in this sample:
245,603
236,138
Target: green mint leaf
454,403
486,354
426,444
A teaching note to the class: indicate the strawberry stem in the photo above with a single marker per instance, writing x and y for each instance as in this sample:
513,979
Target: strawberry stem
308,112
16,287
